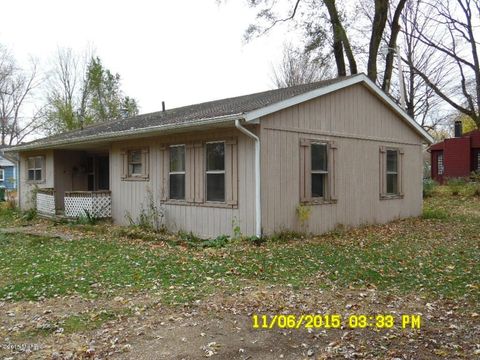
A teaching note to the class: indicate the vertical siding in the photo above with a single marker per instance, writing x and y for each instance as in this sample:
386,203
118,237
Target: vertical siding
359,124
128,197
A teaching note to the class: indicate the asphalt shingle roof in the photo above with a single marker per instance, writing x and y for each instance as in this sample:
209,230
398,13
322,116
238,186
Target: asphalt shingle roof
191,113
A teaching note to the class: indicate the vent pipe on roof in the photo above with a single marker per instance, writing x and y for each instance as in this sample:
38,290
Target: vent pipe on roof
458,128
163,105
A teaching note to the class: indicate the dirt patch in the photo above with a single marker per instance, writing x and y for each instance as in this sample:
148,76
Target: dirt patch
221,327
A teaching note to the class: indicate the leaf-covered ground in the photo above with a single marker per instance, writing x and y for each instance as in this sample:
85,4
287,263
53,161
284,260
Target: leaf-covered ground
110,292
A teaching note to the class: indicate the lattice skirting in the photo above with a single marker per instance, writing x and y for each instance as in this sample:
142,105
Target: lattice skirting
46,204
96,206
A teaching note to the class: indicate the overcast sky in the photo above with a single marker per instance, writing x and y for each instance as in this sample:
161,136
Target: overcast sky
181,51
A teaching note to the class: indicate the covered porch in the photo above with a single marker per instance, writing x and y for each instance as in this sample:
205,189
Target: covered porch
81,186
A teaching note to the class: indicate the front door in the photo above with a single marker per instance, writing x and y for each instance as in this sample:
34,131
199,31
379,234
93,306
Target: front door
98,172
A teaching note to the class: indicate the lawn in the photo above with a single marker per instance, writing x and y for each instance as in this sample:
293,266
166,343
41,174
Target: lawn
76,290
437,255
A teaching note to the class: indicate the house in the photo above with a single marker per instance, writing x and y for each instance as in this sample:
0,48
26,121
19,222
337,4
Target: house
8,175
341,147
457,157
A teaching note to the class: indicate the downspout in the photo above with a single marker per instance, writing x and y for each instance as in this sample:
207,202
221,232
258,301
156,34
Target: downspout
258,201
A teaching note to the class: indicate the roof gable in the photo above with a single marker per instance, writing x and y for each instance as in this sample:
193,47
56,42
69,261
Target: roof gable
361,78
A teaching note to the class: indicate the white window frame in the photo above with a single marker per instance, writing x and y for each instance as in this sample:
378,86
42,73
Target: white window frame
207,172
35,169
440,164
324,172
178,172
2,175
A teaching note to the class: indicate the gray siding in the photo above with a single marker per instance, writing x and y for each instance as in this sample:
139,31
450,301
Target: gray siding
26,187
128,197
359,124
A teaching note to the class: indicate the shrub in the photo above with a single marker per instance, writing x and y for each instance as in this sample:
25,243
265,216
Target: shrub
429,187
255,240
30,214
455,185
286,235
439,214
192,240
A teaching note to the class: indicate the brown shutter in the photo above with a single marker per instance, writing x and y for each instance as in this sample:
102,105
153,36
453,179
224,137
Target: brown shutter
189,172
332,182
231,172
164,164
198,172
43,160
401,153
383,170
145,163
305,166
124,160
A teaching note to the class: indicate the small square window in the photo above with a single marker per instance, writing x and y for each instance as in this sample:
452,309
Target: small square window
35,168
135,164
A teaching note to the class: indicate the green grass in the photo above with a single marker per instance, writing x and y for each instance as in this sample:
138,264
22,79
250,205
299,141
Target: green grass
437,255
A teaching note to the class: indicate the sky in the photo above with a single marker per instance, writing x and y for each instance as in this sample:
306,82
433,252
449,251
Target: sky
181,52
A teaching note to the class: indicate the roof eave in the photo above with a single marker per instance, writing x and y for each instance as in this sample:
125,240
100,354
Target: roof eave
128,133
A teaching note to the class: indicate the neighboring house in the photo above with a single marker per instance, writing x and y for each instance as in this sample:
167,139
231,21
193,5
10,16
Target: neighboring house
341,147
457,157
8,175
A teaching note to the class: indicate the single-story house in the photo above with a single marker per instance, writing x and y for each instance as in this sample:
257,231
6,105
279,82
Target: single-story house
340,148
8,174
457,157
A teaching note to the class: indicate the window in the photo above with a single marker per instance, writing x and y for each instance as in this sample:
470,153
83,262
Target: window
391,184
135,164
2,175
392,172
440,168
478,161
319,170
177,172
35,168
215,171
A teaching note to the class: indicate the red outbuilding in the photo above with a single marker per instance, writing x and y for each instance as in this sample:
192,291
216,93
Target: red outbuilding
456,157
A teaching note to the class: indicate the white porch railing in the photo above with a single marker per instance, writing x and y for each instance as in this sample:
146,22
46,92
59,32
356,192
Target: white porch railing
45,199
97,204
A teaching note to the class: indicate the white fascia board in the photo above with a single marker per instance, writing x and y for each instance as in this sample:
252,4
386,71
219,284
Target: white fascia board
360,78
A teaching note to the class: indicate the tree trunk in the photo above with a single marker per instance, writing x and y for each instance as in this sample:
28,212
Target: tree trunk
392,43
378,26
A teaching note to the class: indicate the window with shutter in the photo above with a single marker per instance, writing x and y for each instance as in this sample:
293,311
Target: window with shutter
177,172
135,164
215,171
391,166
317,171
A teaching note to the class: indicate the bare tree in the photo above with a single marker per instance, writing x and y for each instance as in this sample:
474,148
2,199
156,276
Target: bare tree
422,103
67,90
449,30
16,91
298,67
316,15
